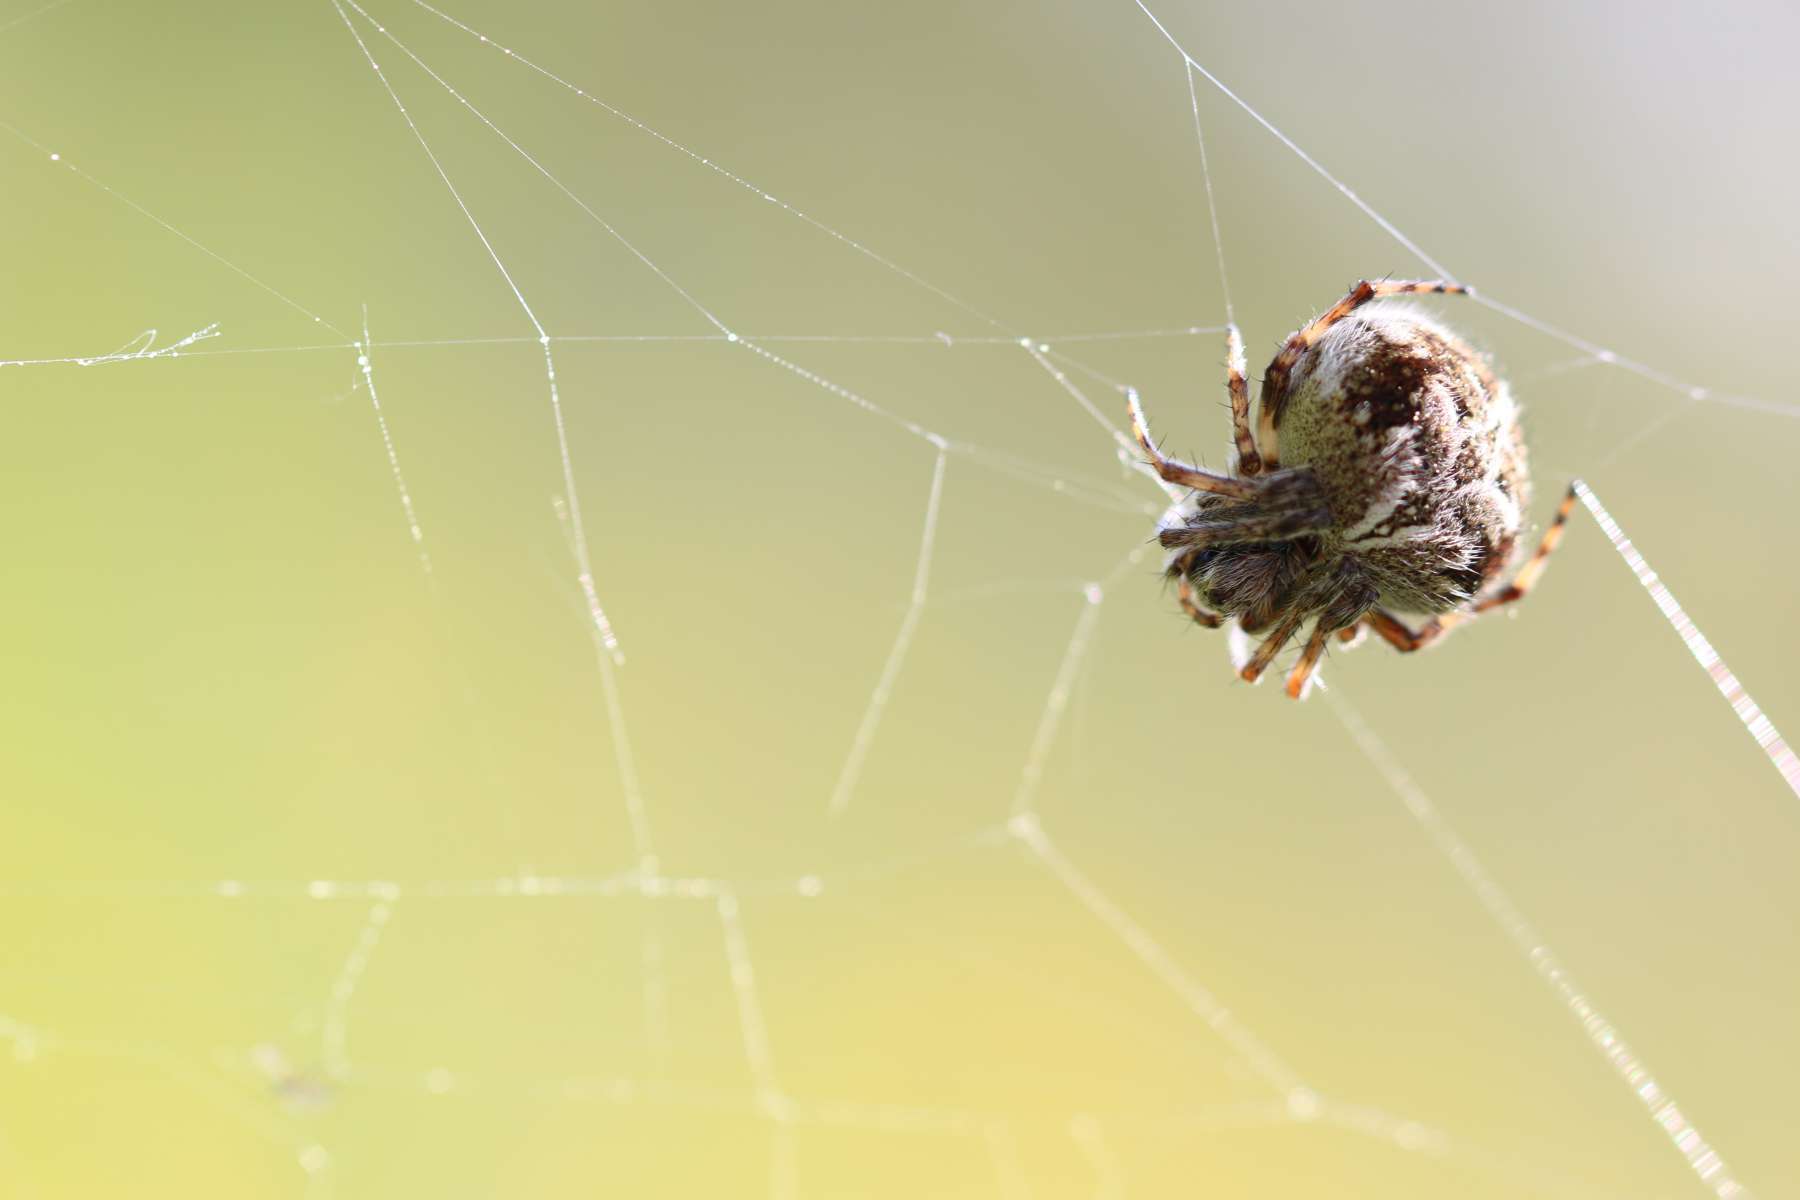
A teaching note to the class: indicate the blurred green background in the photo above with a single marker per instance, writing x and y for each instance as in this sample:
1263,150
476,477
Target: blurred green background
228,673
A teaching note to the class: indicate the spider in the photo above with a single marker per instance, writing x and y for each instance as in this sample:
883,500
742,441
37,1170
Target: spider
1405,487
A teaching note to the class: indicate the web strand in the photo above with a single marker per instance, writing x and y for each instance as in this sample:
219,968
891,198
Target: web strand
803,372
127,201
1701,1158
743,989
143,346
1212,208
716,168
602,626
625,760
337,1008
365,363
890,670
607,644
1038,353
1612,358
1090,1139
31,15
1444,272
1343,189
1750,714
630,247
1267,1064
1057,702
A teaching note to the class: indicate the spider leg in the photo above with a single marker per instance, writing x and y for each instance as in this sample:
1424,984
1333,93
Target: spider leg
1300,678
1254,526
1275,379
1249,461
1202,617
1184,589
1270,647
1173,470
1288,504
1401,637
1528,575
1405,638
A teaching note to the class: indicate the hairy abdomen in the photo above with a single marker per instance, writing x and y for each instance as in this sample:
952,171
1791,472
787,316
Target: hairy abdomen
1417,446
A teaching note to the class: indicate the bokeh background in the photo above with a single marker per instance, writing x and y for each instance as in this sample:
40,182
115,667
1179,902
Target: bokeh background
319,869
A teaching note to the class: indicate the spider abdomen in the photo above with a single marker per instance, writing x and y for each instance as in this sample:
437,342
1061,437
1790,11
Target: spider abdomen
1416,445
1386,471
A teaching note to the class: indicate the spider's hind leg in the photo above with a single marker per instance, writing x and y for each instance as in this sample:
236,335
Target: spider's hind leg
1406,639
1529,574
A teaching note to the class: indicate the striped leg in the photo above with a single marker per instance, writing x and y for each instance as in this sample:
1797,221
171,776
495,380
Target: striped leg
1249,461
1271,646
1190,606
1300,678
1275,379
1173,470
1184,589
1528,575
1401,637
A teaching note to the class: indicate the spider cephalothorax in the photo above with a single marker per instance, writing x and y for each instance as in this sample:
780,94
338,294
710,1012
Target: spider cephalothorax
1386,471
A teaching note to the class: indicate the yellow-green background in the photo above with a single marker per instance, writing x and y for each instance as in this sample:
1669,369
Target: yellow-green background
223,661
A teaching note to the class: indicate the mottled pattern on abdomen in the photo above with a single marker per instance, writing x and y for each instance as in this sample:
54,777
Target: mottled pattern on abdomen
1417,446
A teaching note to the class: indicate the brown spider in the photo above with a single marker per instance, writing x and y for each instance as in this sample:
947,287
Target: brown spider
1405,489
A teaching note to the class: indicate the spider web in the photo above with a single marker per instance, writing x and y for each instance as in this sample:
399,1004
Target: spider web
587,643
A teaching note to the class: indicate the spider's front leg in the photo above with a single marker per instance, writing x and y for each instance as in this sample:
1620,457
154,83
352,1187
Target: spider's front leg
1283,504
1184,474
1249,461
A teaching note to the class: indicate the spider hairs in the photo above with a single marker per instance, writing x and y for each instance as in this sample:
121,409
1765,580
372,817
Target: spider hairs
1387,471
